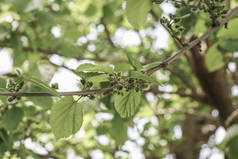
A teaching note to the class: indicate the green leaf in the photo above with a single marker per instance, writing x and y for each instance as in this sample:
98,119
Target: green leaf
66,117
128,104
19,57
3,31
108,11
95,68
91,10
42,85
230,143
231,32
229,45
200,27
3,83
20,6
151,65
231,149
86,75
11,118
33,5
188,18
67,49
5,141
134,63
231,133
45,18
44,102
142,76
157,9
122,67
213,59
118,130
29,110
136,11
99,78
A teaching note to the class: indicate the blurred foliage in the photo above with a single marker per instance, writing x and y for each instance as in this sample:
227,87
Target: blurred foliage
35,31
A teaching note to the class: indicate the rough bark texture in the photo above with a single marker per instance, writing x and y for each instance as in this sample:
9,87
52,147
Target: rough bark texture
216,89
214,84
196,131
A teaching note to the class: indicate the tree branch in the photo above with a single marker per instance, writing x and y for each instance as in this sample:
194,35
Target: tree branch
107,33
164,64
228,4
79,93
171,59
177,41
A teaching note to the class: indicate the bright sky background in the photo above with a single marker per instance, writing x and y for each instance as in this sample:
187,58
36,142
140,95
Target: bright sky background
68,82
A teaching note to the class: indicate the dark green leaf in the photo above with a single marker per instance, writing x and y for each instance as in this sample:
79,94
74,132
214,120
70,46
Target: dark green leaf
118,130
229,44
3,83
44,102
91,10
20,6
45,18
11,118
19,57
230,143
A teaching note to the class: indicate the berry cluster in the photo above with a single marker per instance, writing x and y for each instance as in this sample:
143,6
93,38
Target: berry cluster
126,83
14,86
215,8
174,25
87,85
135,83
55,85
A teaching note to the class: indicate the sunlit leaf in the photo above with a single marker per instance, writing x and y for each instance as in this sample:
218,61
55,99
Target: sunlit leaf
134,63
136,11
95,68
128,103
142,76
231,32
66,117
213,59
42,85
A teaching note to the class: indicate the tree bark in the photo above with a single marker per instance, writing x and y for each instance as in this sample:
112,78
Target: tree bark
214,84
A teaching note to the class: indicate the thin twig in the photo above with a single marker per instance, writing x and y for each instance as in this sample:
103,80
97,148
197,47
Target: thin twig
231,118
228,4
79,93
107,33
177,41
